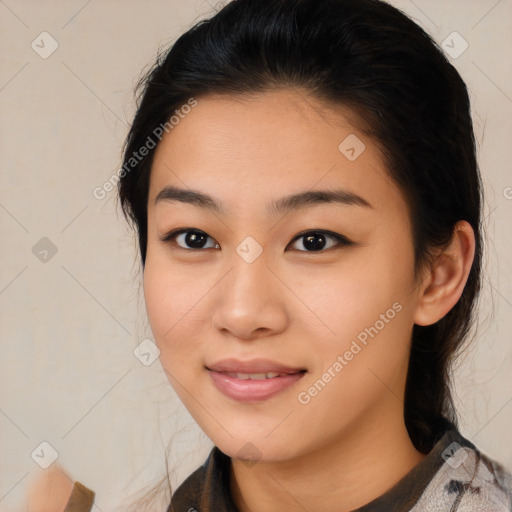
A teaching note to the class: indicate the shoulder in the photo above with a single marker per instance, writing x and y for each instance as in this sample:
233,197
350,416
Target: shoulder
467,481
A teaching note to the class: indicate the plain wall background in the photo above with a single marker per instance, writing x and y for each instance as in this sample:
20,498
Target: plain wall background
69,325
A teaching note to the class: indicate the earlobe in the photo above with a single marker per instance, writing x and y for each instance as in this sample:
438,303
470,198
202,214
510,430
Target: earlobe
444,283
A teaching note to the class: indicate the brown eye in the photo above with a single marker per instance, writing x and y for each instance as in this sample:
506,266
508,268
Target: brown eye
318,241
190,239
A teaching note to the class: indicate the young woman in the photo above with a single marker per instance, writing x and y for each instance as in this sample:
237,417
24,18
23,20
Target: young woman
302,178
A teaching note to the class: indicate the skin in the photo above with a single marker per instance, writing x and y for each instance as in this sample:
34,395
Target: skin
49,490
299,307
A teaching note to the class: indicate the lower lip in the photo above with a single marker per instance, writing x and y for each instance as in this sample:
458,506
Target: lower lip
247,390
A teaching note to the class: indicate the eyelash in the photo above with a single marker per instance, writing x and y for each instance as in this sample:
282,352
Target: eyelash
341,240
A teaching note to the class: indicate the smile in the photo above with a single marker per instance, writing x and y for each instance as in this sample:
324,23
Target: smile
253,387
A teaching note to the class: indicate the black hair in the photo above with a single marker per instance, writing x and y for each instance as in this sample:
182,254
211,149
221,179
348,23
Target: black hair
370,57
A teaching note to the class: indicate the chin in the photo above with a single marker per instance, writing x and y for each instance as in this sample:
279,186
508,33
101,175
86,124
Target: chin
253,449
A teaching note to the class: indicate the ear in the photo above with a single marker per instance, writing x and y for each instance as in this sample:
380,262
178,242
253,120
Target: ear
444,281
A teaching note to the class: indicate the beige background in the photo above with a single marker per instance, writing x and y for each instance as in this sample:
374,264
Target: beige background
69,325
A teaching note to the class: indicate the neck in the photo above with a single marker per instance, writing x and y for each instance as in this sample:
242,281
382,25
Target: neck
360,465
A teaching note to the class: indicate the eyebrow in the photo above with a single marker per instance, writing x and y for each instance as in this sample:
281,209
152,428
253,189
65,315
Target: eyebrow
277,207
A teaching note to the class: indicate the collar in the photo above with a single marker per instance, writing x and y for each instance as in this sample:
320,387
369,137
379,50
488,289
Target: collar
207,488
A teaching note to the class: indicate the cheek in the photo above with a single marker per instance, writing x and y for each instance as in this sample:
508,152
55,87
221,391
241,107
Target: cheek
366,318
350,297
165,300
175,300
363,361
158,298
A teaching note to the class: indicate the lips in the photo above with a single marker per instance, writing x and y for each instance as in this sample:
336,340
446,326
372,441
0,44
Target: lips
253,367
253,381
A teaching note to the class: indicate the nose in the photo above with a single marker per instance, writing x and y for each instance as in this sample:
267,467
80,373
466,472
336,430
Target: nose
250,301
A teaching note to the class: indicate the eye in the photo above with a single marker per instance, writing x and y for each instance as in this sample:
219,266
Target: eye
189,238
315,241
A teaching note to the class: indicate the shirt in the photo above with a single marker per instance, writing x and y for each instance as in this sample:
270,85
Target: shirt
454,477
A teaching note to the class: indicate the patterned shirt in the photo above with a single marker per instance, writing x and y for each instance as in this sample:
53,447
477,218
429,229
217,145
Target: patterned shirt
454,477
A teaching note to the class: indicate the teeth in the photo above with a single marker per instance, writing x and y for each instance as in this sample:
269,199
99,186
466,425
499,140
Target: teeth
255,376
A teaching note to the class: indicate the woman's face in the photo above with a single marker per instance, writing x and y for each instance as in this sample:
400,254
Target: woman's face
254,276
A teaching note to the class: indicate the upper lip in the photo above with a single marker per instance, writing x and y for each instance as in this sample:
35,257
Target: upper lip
252,366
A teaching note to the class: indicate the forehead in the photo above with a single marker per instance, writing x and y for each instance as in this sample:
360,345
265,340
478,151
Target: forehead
251,148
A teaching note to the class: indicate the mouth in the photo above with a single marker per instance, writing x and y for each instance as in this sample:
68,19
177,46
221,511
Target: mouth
259,376
253,381
253,367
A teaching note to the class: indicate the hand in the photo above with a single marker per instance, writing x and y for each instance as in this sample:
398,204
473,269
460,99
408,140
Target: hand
49,490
